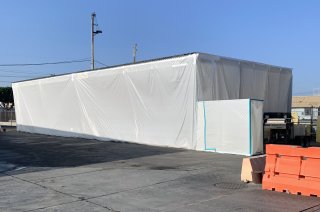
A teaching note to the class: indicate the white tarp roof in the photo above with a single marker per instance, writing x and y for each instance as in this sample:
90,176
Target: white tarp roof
151,102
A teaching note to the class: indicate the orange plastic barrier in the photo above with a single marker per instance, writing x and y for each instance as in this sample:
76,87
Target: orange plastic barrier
292,169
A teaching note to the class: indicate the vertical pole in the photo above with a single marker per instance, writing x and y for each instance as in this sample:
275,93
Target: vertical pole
93,15
134,52
311,120
311,114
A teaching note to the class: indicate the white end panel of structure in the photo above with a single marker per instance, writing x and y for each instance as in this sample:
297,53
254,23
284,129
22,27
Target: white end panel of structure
226,126
149,103
256,118
221,78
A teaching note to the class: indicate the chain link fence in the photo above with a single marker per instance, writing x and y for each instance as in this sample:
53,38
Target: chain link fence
7,117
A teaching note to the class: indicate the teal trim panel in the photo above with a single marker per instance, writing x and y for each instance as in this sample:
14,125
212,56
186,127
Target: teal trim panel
250,133
205,129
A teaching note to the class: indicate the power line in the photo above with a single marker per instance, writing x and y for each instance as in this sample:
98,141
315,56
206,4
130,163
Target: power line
47,63
18,72
17,76
100,62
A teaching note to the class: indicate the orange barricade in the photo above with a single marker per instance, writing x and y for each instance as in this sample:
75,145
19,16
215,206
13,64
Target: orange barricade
292,169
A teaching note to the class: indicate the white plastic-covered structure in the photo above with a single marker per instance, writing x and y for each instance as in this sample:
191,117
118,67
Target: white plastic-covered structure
159,102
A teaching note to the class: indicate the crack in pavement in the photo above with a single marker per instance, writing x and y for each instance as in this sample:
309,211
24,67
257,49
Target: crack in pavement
48,188
90,198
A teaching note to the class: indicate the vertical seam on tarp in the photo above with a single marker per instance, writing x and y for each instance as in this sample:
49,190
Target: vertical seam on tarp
250,137
195,109
205,128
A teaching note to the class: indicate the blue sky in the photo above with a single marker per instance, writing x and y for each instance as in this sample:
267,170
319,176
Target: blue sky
285,33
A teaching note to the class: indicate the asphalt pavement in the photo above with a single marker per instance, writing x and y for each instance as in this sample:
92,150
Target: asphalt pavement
48,173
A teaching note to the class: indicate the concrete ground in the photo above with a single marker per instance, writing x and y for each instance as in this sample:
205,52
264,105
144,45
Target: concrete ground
47,173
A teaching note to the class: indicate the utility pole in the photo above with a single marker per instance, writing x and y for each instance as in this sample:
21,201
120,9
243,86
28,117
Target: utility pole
93,33
134,52
93,15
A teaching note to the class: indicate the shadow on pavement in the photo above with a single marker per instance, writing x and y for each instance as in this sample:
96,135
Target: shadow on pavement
35,150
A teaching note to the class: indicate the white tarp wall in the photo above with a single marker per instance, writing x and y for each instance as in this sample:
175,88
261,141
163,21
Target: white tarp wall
149,103
221,78
230,126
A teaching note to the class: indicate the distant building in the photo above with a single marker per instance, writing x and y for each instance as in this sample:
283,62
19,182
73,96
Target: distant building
306,108
7,115
2,107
